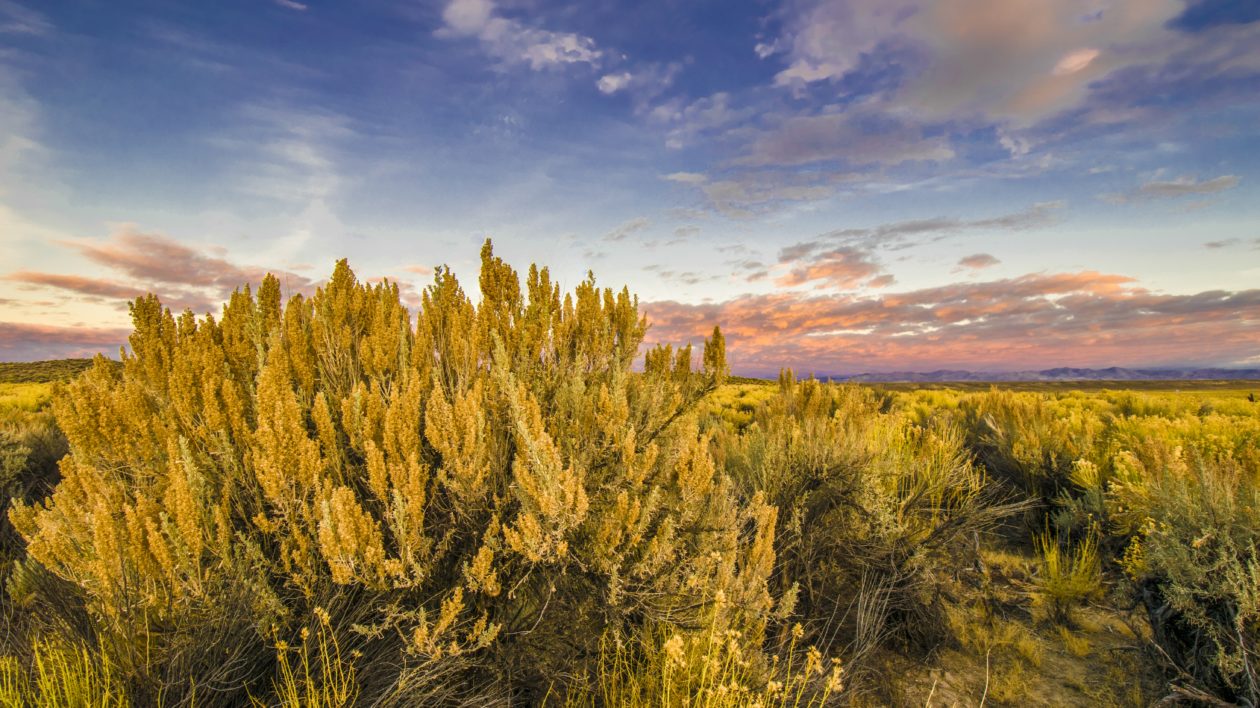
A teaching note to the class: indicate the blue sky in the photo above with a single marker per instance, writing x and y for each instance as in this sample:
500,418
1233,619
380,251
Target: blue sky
843,185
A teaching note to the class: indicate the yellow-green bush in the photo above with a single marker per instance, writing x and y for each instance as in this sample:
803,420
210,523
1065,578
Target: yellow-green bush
874,513
712,668
1070,573
60,675
475,497
1192,517
30,446
1031,440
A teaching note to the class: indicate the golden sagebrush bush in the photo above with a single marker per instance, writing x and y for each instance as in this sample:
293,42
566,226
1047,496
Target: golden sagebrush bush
490,485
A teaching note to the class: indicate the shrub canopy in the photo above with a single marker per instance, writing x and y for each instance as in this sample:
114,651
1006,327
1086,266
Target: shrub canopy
482,490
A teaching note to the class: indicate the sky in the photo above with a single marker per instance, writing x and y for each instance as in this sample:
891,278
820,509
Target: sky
844,186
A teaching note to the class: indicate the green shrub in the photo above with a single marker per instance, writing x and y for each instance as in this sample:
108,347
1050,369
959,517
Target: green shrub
1070,574
60,675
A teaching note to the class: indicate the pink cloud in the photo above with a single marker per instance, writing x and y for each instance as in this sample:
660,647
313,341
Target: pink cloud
1034,321
33,342
841,268
156,258
978,261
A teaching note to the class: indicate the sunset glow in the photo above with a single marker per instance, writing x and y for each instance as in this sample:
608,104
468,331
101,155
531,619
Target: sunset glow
844,186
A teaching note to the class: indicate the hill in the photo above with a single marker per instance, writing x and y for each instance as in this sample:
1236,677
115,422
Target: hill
42,371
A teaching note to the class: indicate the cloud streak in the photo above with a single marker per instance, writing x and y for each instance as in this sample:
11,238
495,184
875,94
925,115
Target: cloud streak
628,229
900,235
1184,186
184,277
34,342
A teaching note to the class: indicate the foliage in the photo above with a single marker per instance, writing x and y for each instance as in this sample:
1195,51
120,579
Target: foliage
475,500
325,677
874,509
14,372
1030,441
710,668
1193,520
60,675
507,499
1070,574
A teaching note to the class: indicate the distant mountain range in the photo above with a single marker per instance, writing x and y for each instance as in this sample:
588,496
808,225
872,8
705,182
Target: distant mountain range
1113,373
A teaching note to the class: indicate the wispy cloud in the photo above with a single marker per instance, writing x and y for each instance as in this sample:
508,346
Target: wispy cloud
751,194
687,121
33,342
851,138
21,152
16,18
899,235
512,41
628,229
1185,186
183,276
83,285
158,259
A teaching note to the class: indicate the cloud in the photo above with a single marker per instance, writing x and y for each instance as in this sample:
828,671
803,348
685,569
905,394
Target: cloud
839,268
612,83
16,18
852,138
1035,75
686,177
1173,189
183,276
1205,14
96,287
288,153
1075,61
688,120
292,161
899,235
419,269
1037,320
20,147
1016,61
752,193
978,261
35,342
1188,186
627,229
514,42
293,5
159,259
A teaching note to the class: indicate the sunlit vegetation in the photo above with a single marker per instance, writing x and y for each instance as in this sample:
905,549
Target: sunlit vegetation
508,499
42,371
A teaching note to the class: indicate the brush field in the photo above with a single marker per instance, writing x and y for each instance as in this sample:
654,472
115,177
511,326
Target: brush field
329,501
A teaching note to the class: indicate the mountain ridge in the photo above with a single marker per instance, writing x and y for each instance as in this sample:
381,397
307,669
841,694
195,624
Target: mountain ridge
1062,373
